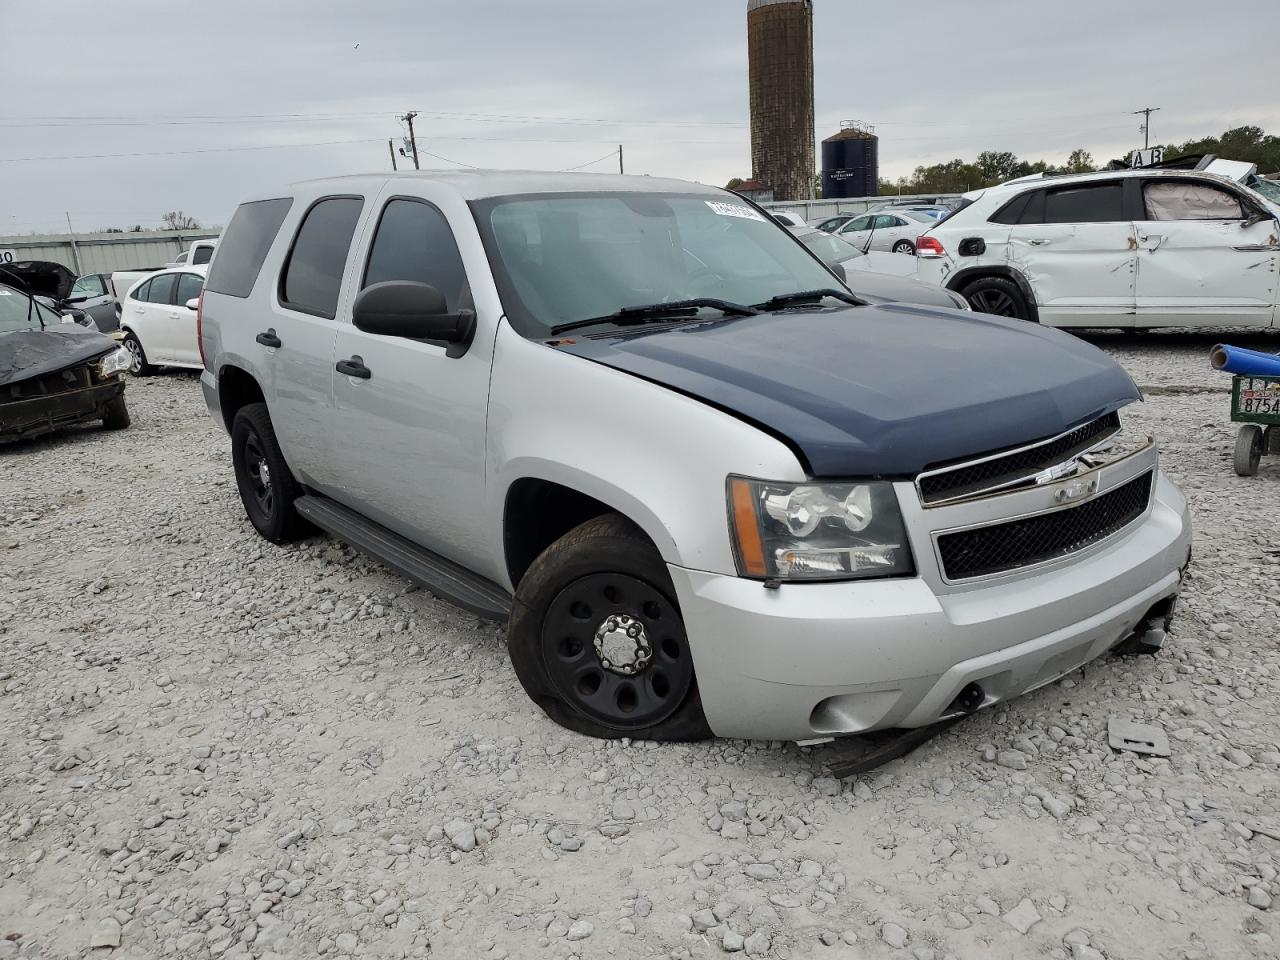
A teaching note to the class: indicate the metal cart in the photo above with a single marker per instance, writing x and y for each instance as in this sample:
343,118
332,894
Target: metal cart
1255,403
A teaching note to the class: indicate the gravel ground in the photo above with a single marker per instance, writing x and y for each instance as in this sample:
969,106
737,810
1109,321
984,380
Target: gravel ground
210,746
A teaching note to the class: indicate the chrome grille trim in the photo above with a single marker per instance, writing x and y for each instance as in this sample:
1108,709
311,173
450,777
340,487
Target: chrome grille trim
933,490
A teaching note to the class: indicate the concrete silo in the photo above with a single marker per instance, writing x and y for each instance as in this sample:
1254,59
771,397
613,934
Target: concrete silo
780,55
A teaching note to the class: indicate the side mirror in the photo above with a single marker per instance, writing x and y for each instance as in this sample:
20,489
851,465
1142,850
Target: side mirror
76,299
1256,217
415,311
193,303
839,270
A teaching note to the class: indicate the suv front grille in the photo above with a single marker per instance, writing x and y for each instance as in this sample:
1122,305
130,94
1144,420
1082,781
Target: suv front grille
969,478
1001,547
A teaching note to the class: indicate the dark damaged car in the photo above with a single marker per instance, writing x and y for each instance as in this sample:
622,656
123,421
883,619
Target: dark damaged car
55,374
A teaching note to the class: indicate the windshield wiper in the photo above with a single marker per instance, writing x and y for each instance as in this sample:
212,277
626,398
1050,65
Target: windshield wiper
659,312
805,296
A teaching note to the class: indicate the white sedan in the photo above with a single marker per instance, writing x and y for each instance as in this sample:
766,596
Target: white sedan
159,320
894,231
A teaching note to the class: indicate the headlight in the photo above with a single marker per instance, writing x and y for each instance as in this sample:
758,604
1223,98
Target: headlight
68,318
115,362
817,531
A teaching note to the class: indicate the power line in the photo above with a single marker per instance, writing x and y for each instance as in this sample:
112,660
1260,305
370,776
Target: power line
607,156
459,163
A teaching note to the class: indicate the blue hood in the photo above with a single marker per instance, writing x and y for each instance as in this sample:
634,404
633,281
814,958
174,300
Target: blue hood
878,391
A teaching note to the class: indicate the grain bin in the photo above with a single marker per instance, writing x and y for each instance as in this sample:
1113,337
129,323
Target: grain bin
851,163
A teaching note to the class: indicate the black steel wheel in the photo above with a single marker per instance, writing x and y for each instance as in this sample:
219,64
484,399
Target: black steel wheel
998,296
267,487
598,641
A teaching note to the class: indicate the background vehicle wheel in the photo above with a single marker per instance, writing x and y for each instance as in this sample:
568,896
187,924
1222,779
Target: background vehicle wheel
1271,440
267,487
1248,450
598,642
117,417
138,365
999,296
905,246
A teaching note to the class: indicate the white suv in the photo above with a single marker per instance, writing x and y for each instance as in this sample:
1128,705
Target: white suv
1129,248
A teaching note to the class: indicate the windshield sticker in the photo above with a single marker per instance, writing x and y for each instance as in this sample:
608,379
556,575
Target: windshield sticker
734,210
4,293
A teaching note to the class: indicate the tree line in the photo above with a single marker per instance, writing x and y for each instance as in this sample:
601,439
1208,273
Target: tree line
1250,144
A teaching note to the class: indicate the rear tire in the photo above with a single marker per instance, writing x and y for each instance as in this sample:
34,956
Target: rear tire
603,591
267,486
998,296
905,246
138,365
117,415
1248,453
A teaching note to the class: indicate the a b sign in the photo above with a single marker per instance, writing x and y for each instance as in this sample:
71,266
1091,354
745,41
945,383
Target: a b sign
1146,158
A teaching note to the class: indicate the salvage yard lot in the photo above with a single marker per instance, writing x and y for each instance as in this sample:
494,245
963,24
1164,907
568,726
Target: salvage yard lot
210,746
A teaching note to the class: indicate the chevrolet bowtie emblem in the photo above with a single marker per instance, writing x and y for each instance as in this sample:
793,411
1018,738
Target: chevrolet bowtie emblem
1076,490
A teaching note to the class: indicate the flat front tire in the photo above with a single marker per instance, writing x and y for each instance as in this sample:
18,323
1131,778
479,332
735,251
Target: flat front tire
267,486
117,414
597,640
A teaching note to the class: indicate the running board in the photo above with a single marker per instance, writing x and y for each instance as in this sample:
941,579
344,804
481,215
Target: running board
442,577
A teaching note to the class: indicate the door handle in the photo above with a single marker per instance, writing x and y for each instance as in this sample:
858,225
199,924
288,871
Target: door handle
1039,243
1155,239
268,339
353,368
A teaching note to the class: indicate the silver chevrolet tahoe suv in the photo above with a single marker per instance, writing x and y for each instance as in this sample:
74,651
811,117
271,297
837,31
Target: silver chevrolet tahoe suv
706,488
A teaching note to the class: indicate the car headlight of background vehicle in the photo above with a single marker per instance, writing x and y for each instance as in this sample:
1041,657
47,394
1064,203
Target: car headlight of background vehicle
817,531
117,361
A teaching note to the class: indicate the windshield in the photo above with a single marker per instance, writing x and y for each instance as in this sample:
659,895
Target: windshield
565,258
1268,188
830,250
20,312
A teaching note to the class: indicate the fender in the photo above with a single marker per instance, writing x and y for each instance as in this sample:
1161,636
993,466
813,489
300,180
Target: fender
962,277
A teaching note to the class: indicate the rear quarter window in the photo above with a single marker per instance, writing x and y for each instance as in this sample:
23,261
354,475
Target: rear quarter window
244,246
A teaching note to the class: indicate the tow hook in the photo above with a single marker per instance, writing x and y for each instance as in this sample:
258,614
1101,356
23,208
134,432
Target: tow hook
1149,637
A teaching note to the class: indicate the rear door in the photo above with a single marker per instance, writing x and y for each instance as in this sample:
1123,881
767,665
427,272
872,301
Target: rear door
1075,246
1200,261
296,338
91,295
182,319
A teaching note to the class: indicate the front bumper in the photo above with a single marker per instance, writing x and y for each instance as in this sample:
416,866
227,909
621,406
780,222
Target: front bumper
32,416
819,660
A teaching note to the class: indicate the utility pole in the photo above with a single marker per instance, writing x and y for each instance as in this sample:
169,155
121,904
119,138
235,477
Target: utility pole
620,170
408,118
392,147
75,253
1146,124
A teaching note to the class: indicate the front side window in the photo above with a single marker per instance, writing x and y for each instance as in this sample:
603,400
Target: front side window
413,242
1094,203
312,276
858,224
571,257
189,287
161,289
90,286
1184,200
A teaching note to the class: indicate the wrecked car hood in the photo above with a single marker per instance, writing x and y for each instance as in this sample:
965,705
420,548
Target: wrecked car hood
879,390
40,278
25,354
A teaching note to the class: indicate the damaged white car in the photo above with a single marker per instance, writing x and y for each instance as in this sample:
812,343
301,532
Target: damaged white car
1126,248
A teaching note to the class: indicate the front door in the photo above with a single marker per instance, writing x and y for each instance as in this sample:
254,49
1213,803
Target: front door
1075,246
409,433
1200,261
148,315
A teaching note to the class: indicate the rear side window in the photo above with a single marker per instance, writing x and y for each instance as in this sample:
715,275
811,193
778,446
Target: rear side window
141,292
160,290
201,255
189,285
1094,203
312,275
1013,211
244,246
414,242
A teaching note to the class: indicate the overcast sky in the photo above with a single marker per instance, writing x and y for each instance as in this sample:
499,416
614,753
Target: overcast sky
87,79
